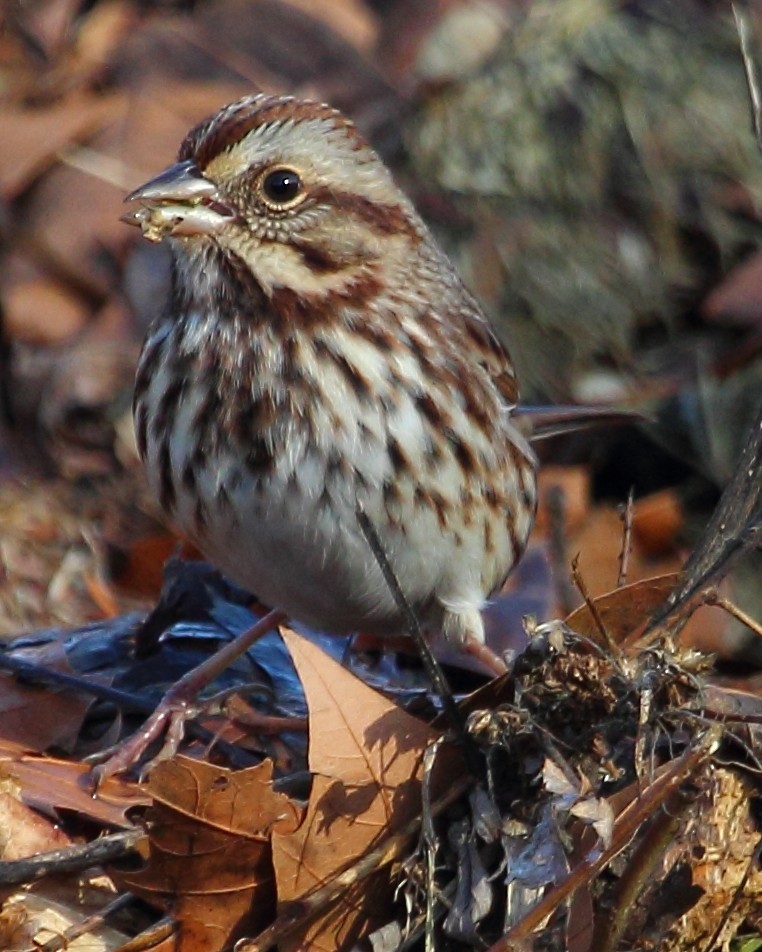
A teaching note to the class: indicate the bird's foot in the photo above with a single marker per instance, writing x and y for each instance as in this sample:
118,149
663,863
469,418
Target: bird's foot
179,705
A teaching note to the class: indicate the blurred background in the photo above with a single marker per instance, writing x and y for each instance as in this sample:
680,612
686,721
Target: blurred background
590,165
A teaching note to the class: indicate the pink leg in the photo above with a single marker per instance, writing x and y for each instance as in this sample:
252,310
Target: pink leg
487,657
179,703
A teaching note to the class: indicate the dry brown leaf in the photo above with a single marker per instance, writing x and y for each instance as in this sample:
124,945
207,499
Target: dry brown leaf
366,756
33,139
353,20
738,298
49,23
42,312
599,545
38,717
49,785
141,571
624,609
24,832
656,521
210,855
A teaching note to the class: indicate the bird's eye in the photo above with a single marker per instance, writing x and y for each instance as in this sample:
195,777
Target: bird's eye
281,186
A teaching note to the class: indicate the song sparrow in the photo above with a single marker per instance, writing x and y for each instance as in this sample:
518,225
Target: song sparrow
319,354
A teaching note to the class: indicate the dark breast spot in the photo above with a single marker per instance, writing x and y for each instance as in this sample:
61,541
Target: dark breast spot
189,476
356,380
167,494
462,452
141,428
163,419
400,462
435,501
489,542
259,458
432,411
199,516
153,351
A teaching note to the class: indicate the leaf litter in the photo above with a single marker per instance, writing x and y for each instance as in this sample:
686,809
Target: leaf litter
616,804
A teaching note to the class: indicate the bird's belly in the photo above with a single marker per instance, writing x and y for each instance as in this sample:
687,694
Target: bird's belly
296,543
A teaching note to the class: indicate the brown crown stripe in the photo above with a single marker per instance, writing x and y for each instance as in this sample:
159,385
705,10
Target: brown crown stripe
215,135
506,385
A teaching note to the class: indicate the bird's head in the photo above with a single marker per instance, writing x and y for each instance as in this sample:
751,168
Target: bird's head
288,187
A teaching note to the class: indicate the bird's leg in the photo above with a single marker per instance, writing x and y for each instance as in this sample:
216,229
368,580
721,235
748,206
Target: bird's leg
486,655
179,703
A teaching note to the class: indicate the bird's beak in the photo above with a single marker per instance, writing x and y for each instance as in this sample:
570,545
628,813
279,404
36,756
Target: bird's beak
178,201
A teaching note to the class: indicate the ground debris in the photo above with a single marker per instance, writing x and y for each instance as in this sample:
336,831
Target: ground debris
616,812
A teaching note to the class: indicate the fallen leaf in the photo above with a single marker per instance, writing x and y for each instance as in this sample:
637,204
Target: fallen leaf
624,609
210,856
24,832
38,717
49,785
34,138
366,756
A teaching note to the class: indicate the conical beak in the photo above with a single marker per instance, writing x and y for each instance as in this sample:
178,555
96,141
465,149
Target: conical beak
181,182
178,201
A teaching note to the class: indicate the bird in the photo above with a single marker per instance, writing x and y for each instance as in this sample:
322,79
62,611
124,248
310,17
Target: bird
319,357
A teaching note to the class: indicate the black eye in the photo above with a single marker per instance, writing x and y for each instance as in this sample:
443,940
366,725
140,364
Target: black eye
281,186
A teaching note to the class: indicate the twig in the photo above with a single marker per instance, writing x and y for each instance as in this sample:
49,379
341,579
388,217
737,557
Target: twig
593,608
39,674
555,500
610,928
90,924
733,529
71,859
750,68
625,514
712,597
439,682
429,843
